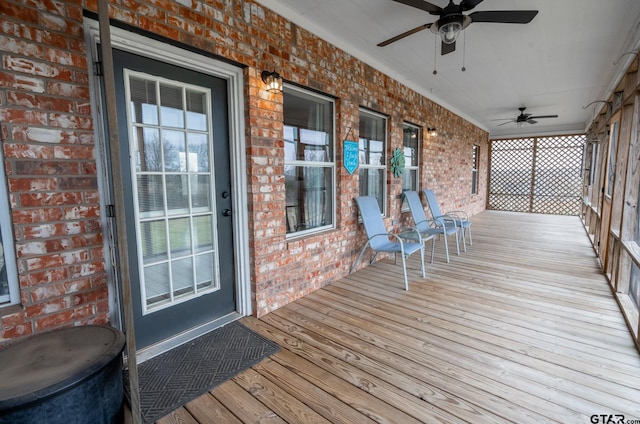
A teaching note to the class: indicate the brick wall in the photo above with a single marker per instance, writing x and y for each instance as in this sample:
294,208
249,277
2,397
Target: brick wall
49,152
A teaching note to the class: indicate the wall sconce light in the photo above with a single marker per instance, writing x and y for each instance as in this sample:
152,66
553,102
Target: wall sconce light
432,132
273,81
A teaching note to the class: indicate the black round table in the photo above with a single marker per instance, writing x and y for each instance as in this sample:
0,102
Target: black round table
72,375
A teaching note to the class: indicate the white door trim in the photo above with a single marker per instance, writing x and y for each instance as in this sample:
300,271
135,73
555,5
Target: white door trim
144,46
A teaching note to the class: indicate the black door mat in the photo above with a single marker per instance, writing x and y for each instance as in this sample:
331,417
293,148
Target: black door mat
172,379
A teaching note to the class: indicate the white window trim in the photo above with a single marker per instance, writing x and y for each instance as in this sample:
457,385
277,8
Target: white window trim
332,164
384,154
8,246
409,168
475,166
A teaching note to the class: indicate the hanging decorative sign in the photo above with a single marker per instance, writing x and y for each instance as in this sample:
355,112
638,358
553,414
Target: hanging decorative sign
397,162
350,156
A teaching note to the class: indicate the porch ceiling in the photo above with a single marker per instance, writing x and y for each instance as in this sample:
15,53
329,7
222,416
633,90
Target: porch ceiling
557,64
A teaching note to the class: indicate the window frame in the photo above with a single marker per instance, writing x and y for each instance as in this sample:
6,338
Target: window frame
612,155
310,164
8,243
408,166
475,165
365,166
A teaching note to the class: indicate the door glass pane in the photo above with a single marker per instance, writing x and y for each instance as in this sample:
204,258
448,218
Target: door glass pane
196,111
200,193
198,146
180,237
202,233
173,143
205,264
177,194
148,156
172,111
150,195
157,284
144,105
154,240
182,276
175,213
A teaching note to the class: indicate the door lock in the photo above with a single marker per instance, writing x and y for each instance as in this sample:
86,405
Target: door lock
226,212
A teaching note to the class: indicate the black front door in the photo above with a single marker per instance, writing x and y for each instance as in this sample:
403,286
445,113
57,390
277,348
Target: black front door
174,139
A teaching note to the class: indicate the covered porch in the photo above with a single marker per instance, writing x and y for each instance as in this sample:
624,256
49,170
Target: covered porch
523,327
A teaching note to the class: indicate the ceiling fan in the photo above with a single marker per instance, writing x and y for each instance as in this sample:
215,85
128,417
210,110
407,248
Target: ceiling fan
524,117
451,20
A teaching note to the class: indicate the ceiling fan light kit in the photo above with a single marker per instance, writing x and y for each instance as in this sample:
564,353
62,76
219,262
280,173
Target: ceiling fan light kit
452,21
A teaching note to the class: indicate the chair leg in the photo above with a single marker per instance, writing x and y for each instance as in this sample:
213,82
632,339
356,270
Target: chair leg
457,245
446,246
470,239
358,258
404,269
464,239
422,261
433,247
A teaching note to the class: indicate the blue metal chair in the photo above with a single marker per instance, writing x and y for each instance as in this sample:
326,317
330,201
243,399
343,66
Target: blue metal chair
430,228
379,240
458,218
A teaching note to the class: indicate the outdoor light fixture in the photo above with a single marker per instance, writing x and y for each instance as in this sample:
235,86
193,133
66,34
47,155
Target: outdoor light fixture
273,81
432,132
449,27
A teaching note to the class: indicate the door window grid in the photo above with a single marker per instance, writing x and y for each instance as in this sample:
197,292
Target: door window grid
411,146
175,218
372,156
309,161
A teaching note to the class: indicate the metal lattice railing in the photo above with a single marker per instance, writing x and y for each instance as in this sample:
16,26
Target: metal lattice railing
538,175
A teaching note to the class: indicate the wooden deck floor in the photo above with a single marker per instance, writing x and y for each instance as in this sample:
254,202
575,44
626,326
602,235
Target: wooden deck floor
522,328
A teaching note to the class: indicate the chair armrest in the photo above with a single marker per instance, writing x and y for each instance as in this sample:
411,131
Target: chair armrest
440,220
410,233
462,215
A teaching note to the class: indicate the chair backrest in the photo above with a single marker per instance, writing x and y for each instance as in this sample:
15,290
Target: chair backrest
372,220
434,207
417,211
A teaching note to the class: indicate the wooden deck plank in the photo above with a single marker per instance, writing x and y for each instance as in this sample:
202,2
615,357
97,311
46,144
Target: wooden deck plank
207,409
523,327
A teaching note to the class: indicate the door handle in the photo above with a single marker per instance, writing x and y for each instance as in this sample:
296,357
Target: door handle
226,212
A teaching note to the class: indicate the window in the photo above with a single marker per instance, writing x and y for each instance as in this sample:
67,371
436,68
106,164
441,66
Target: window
9,293
474,169
411,147
613,149
373,143
309,165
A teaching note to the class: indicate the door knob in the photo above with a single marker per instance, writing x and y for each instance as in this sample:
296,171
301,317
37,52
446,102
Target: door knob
226,212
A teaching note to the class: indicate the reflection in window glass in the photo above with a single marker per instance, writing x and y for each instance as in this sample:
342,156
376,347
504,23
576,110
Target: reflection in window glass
613,151
309,161
373,141
475,161
173,178
411,148
637,236
4,282
9,288
634,285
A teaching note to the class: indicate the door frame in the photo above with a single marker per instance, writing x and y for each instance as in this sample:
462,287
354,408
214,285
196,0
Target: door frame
154,49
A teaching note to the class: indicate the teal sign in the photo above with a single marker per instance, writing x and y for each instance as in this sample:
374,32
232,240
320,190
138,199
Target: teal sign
350,156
